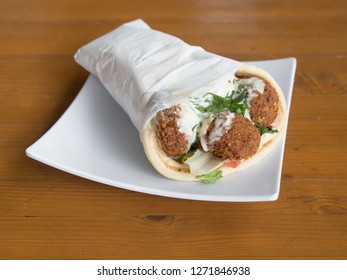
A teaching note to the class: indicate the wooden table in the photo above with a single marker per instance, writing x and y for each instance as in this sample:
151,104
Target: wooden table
48,214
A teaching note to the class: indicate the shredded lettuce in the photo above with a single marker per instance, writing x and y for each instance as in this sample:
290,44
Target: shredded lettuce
186,156
203,163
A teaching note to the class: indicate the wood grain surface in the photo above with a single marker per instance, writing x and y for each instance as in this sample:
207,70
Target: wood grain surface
48,214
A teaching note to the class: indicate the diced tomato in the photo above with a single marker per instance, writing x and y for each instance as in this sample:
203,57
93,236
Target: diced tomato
232,163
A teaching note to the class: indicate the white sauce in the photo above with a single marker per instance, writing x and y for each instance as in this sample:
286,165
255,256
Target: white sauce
221,125
188,122
254,86
203,130
227,88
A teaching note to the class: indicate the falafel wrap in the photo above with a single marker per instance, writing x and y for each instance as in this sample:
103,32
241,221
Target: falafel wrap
200,116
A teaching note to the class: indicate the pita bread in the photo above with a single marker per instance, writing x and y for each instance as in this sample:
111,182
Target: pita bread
174,170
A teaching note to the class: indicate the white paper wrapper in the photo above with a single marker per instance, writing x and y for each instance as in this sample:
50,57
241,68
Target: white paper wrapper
147,71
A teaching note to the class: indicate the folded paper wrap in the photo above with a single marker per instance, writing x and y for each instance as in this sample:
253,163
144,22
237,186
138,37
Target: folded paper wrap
147,71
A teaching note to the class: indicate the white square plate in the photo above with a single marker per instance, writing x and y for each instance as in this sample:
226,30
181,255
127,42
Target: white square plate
96,140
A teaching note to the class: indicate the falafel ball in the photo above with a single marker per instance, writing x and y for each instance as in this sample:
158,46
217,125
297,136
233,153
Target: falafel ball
240,139
264,107
172,141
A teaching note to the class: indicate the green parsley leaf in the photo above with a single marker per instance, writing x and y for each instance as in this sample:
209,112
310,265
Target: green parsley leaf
201,109
210,177
230,103
263,130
